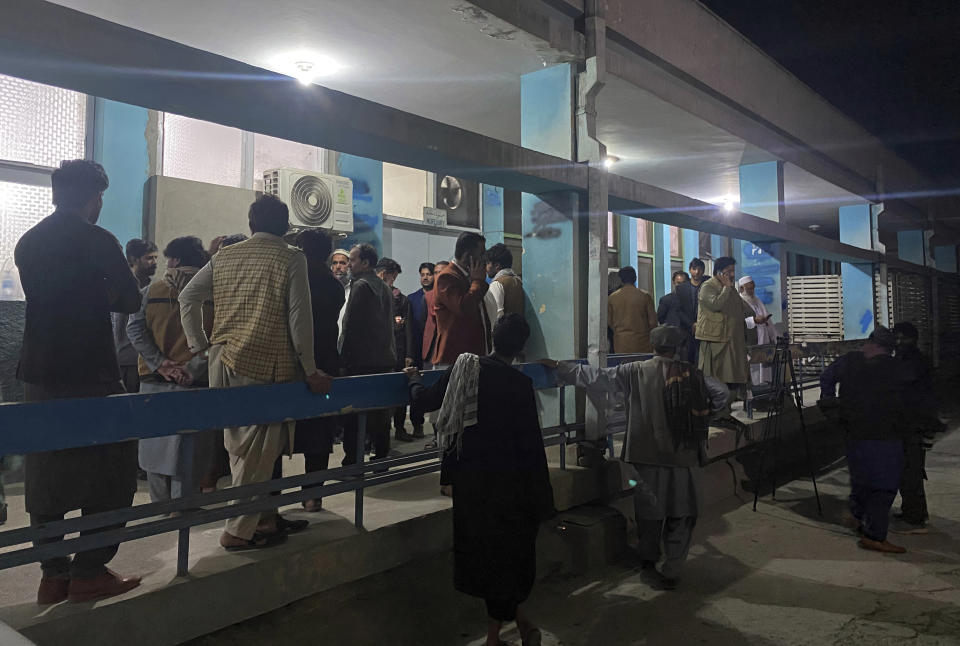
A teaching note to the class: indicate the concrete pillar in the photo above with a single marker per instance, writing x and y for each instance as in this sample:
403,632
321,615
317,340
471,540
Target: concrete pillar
367,177
945,258
761,190
627,240
857,228
491,213
661,261
124,142
554,253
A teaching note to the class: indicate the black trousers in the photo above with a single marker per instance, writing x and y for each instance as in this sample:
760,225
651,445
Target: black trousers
912,494
399,417
85,565
502,610
377,429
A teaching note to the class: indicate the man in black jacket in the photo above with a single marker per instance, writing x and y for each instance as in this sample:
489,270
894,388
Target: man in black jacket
68,352
913,370
678,309
367,345
870,411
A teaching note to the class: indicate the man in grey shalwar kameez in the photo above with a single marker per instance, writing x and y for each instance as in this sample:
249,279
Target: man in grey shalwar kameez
667,498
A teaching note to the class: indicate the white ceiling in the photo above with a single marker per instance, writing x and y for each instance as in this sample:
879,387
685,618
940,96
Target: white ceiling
662,145
435,58
444,60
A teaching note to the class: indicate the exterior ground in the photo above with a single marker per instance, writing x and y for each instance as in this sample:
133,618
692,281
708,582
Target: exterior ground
780,575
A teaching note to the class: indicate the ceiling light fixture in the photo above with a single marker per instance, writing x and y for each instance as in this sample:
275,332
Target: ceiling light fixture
304,73
609,161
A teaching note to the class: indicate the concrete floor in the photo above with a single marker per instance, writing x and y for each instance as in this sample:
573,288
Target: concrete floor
781,575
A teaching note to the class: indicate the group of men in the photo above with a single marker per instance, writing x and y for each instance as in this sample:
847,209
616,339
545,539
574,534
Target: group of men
257,310
717,319
245,311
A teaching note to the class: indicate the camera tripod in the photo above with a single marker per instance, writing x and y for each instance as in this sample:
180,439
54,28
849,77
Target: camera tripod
780,387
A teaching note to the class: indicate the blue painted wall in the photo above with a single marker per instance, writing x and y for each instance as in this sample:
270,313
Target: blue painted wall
367,177
546,111
661,261
691,246
910,246
858,316
628,241
760,189
945,258
716,246
550,267
120,145
855,223
761,261
491,212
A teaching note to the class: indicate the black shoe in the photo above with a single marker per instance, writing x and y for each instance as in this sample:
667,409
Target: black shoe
285,526
648,565
418,431
3,514
669,583
401,436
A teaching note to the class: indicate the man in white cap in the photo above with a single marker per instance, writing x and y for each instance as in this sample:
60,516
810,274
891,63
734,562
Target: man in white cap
666,429
339,265
766,331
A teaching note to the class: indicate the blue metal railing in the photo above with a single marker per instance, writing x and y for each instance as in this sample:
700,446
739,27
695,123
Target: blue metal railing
69,423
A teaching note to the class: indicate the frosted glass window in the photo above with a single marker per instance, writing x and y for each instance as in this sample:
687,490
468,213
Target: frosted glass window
404,191
271,152
611,238
21,207
40,124
644,243
674,242
202,151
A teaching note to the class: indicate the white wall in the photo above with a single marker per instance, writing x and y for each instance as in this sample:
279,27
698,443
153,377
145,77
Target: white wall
412,246
404,191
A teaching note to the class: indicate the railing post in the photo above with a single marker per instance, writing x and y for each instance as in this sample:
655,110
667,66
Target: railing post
187,443
563,428
361,456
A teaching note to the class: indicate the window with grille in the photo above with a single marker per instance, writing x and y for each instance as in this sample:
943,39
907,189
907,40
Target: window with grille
40,125
271,152
202,151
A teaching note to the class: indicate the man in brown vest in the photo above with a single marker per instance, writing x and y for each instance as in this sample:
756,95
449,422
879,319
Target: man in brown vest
262,333
505,295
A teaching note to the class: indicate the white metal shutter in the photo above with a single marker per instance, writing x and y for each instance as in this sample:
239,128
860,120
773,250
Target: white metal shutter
815,308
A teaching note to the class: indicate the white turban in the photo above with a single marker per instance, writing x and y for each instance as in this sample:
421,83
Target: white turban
743,281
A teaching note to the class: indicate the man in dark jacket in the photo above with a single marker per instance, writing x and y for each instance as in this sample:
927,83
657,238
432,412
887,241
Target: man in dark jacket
870,411
913,370
677,309
496,471
314,437
387,270
418,320
367,345
68,352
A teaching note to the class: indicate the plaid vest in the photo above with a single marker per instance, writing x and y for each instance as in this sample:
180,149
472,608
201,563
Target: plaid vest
250,285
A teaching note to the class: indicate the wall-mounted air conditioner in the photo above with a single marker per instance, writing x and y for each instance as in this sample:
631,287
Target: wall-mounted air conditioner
316,201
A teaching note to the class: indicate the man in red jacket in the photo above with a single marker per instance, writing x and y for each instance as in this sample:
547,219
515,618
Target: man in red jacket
459,291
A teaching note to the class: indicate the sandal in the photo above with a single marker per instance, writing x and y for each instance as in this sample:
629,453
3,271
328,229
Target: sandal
258,542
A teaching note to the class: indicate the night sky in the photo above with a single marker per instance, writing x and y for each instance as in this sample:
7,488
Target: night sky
893,66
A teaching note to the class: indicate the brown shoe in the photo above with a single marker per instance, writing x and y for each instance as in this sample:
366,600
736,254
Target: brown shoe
52,590
108,584
881,546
